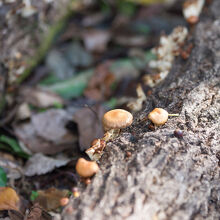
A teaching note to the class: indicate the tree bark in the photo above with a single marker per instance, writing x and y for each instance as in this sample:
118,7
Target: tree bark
24,40
167,177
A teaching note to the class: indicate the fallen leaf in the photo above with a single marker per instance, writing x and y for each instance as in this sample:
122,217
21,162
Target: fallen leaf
12,168
46,132
72,87
77,55
131,40
40,164
96,40
23,111
34,195
8,199
10,144
100,84
35,213
40,98
89,125
3,177
50,125
15,215
50,199
58,65
63,63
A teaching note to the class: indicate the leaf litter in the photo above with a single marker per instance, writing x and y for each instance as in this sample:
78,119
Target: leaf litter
40,164
89,124
46,132
40,98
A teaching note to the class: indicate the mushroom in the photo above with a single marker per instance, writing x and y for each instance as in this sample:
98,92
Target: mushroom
86,168
113,121
117,119
64,201
159,116
75,192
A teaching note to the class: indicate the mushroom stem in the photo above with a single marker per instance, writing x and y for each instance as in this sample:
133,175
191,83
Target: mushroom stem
173,115
111,134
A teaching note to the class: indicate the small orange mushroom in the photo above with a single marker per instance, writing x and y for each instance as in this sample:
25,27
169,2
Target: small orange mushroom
64,201
117,119
159,116
86,168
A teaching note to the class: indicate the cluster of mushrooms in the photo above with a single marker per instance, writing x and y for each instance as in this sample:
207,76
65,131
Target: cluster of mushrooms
113,121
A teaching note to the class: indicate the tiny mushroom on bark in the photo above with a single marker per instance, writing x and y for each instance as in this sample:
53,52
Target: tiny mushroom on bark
117,119
64,201
86,168
113,121
159,116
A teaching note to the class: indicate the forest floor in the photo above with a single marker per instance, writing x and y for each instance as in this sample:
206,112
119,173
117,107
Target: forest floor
97,57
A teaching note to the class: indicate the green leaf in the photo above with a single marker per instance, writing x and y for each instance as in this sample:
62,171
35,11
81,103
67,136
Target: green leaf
3,178
13,146
73,87
34,195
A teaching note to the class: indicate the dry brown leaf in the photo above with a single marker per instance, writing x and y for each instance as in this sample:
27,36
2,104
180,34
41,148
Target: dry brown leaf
96,40
50,199
23,112
46,132
99,86
40,164
35,213
40,98
9,199
15,215
89,125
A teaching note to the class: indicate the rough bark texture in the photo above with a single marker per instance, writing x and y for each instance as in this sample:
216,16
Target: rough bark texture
167,177
23,40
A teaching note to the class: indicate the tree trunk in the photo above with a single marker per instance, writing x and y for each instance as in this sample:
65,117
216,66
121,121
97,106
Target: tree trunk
167,177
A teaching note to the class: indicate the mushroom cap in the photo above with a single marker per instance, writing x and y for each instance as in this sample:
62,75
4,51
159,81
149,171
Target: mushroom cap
116,119
158,116
86,168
